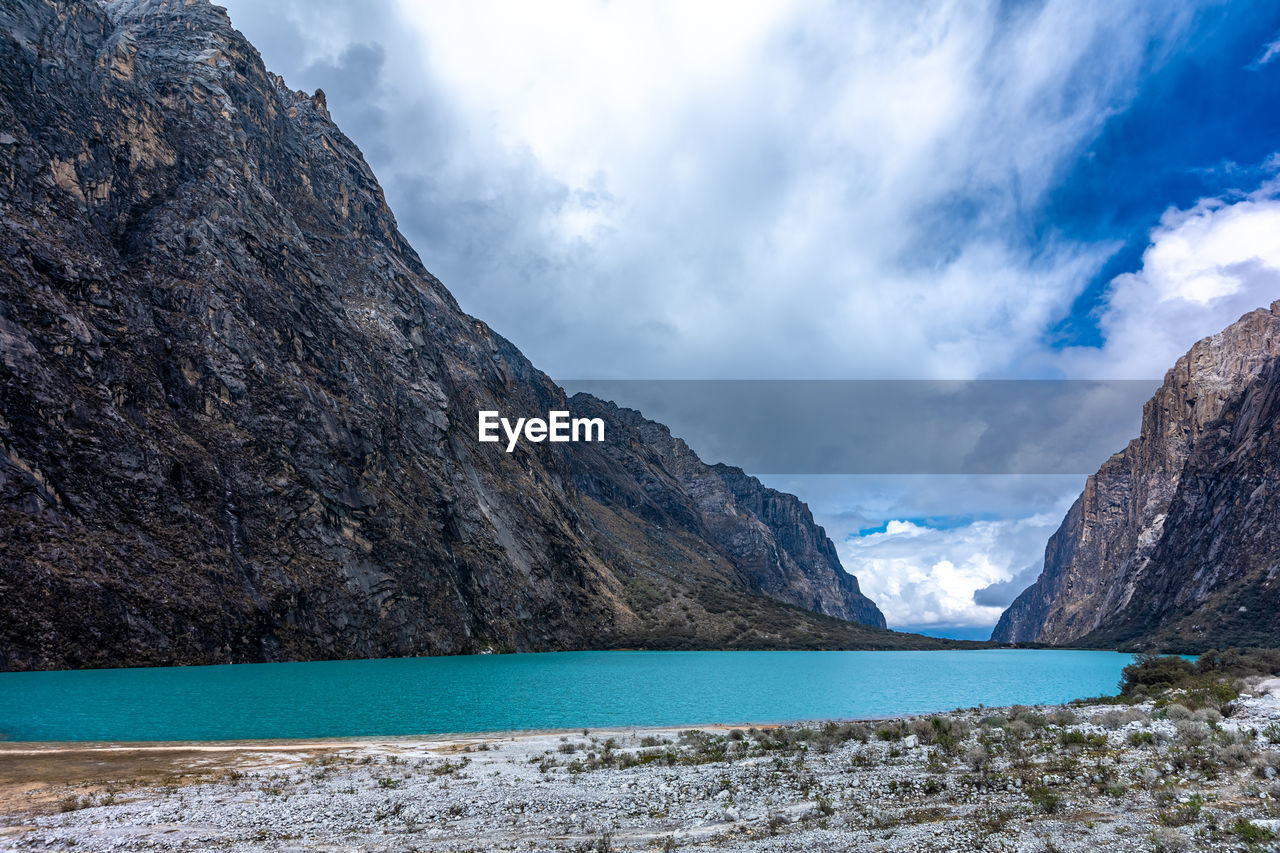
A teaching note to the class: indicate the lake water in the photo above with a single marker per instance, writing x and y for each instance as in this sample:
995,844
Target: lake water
532,691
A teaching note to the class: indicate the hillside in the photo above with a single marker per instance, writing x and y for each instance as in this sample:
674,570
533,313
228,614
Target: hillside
1173,543
239,415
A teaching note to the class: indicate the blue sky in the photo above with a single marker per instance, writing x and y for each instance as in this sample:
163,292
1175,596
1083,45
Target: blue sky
784,190
1204,123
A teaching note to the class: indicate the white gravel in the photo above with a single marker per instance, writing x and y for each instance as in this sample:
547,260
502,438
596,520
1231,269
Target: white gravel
1078,785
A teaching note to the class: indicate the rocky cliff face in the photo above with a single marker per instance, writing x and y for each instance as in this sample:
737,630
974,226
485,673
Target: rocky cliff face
1174,540
239,416
776,548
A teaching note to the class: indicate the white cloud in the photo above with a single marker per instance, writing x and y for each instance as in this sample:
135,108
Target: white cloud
769,189
1204,268
587,86
903,528
921,575
1270,51
932,557
781,189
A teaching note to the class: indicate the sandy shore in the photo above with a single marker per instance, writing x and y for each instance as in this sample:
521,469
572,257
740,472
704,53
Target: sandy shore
1019,779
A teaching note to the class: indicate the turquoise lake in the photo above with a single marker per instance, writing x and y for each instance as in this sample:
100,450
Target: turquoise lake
481,693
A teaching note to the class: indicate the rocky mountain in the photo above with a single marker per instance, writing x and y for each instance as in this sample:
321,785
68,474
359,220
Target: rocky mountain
776,548
1174,543
239,416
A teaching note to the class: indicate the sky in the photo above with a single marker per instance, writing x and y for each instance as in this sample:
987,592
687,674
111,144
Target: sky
808,190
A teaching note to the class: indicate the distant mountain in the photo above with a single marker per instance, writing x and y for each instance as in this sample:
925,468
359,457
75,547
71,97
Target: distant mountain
769,536
1175,542
239,416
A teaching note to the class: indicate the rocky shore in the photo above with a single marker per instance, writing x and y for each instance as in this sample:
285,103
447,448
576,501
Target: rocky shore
1152,776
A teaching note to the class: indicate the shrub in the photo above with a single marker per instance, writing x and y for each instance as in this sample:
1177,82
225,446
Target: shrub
993,823
1271,759
977,757
1185,813
944,732
1232,755
1026,715
1019,729
1116,718
1075,737
832,734
1063,717
1208,715
1141,739
889,732
1048,802
1155,672
1169,841
72,803
1250,832
1218,695
1239,663
1191,732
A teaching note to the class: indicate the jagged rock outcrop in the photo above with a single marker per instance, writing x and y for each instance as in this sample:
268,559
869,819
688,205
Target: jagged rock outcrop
770,536
1174,541
239,416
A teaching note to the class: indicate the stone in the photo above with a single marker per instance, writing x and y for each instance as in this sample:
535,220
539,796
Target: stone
1173,541
238,414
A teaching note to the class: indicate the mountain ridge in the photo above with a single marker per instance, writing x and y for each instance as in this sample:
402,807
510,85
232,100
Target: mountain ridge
1140,523
238,413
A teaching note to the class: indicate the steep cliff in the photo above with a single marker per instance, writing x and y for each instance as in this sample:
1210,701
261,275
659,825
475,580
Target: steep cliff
1216,570
770,536
1173,541
239,416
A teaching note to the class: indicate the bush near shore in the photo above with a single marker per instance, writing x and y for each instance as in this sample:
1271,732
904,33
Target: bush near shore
1214,680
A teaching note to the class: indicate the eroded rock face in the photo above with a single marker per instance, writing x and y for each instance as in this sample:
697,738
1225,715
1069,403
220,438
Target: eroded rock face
239,416
1175,533
770,536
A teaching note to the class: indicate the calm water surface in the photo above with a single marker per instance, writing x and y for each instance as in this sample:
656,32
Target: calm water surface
532,691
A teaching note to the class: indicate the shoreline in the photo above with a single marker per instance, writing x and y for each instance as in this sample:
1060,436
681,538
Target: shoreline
36,747
964,646
444,739
1075,777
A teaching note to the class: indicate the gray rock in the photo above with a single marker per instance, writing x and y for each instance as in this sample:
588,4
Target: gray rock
1173,541
239,415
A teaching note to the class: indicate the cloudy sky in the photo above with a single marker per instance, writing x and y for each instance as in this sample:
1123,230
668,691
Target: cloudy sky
788,190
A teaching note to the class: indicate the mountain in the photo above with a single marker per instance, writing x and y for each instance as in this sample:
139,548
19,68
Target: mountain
1174,543
239,417
770,537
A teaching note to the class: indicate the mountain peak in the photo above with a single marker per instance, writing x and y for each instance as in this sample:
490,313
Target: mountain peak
1136,525
239,415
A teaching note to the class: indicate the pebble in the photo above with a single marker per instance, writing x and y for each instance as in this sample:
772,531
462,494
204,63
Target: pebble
721,806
